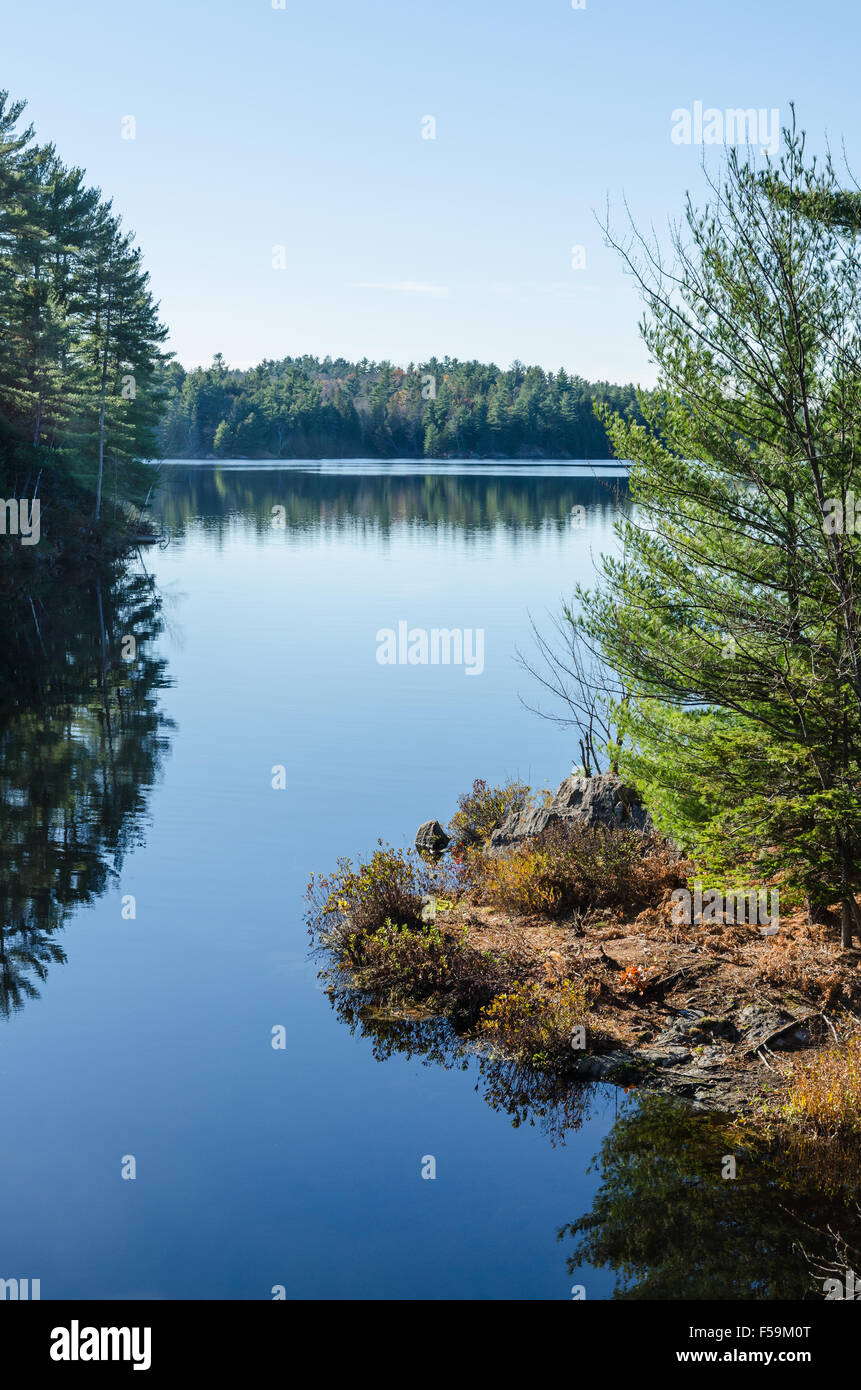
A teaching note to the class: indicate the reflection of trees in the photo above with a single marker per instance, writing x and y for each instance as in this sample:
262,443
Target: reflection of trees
672,1227
664,1219
81,741
377,502
528,1097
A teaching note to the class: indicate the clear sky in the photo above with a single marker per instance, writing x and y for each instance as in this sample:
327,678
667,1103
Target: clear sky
301,127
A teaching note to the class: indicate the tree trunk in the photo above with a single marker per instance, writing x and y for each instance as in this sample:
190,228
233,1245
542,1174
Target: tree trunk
819,915
104,388
846,919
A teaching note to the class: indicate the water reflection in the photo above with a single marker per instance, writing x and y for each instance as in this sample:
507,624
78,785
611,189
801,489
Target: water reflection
546,1102
376,502
81,742
672,1226
665,1220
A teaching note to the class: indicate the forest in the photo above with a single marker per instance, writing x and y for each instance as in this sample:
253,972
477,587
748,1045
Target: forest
307,407
82,382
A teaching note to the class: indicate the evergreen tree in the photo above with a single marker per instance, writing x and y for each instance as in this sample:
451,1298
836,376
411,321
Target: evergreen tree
733,612
82,369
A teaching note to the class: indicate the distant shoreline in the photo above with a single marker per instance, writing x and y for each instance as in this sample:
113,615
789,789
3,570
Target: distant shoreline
622,466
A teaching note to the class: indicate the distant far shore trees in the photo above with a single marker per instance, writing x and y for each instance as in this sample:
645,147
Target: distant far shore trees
305,407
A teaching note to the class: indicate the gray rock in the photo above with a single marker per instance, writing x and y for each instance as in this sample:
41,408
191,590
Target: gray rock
431,838
606,1066
662,1055
708,1058
758,1022
598,801
773,1028
684,1028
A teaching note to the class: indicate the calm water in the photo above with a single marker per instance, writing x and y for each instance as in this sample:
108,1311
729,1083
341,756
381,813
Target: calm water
149,1036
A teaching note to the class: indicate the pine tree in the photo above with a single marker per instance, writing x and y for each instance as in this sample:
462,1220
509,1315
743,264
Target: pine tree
734,611
82,378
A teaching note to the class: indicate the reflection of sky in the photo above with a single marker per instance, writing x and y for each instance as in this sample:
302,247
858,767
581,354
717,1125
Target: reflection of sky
300,1167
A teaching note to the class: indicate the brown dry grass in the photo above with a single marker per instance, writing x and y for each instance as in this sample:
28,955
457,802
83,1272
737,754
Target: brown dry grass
824,1088
619,947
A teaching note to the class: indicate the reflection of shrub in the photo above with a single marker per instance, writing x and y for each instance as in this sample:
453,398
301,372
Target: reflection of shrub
534,1023
575,866
825,1088
483,810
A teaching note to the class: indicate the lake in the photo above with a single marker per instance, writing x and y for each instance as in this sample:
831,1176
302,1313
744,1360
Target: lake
154,930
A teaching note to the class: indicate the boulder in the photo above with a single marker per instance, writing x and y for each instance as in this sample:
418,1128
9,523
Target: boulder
600,801
778,1031
431,838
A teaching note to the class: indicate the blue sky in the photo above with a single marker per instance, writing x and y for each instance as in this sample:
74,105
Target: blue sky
301,127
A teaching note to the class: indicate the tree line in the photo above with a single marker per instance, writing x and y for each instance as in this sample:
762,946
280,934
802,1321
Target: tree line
307,407
81,362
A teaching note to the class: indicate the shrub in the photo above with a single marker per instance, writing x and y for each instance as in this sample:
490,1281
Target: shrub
413,962
636,978
483,810
352,904
536,1024
412,965
372,920
825,1088
522,882
571,867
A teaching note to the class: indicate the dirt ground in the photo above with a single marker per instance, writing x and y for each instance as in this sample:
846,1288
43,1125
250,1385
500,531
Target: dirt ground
712,1012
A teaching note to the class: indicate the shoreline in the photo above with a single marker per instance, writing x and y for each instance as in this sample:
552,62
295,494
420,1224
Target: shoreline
623,465
674,1036
720,1014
